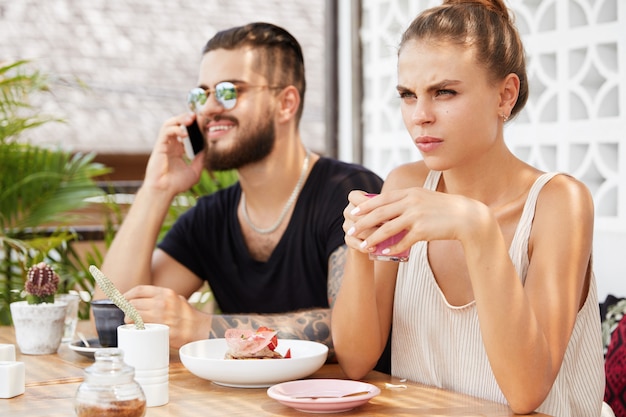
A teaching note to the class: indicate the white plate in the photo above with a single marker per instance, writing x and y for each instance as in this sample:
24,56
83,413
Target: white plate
79,347
205,358
287,393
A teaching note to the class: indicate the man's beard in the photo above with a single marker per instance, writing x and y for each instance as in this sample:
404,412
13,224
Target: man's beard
250,146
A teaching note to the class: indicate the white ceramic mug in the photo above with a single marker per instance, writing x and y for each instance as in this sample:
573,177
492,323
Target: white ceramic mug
148,351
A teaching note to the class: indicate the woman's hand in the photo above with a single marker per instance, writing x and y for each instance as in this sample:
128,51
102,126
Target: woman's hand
351,215
425,215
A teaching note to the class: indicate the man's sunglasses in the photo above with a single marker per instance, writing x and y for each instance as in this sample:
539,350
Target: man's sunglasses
225,93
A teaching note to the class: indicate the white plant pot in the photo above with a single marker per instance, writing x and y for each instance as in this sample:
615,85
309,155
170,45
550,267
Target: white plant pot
38,327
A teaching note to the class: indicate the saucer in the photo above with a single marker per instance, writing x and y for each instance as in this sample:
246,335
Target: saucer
79,347
308,395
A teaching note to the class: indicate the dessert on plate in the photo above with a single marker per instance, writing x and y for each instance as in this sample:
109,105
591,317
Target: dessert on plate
253,344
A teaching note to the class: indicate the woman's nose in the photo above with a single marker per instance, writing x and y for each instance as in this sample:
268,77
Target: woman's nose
421,112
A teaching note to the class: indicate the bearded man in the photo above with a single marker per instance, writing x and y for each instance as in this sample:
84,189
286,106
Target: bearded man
271,247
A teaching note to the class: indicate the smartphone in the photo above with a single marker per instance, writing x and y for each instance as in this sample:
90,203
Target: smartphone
196,139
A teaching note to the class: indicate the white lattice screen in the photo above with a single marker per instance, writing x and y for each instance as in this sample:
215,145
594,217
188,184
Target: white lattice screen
575,119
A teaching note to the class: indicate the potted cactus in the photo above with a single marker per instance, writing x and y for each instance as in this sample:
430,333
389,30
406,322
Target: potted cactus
39,320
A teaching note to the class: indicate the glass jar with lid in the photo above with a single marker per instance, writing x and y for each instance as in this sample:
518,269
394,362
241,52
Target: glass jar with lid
109,388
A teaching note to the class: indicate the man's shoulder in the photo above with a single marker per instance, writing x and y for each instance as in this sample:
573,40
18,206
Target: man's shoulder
339,177
331,167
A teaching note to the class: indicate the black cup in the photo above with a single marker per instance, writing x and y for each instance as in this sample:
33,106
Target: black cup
108,317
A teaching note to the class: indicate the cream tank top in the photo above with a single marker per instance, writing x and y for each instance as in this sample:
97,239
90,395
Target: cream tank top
440,345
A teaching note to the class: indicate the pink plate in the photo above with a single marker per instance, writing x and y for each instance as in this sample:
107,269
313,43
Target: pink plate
287,392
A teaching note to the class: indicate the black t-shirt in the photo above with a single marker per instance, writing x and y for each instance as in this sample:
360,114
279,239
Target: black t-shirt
207,239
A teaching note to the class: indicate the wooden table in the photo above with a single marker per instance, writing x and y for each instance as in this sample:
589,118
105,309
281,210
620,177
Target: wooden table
52,380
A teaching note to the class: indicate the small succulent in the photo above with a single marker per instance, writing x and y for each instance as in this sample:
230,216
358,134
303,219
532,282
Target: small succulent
41,284
116,296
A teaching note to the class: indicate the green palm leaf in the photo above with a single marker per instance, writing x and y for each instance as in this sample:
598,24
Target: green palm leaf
38,186
16,87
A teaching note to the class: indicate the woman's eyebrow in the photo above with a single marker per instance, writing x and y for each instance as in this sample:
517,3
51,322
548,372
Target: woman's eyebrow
440,85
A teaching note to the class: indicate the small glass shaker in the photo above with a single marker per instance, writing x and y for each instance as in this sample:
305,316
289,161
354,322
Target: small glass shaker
109,388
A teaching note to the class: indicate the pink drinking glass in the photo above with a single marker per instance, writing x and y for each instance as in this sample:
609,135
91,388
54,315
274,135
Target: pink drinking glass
378,254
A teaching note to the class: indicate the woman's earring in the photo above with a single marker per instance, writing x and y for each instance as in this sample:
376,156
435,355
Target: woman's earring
504,117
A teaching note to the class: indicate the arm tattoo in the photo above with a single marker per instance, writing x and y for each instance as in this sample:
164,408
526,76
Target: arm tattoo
336,265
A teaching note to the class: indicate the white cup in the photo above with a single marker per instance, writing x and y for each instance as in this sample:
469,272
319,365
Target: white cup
148,351
156,394
152,380
149,373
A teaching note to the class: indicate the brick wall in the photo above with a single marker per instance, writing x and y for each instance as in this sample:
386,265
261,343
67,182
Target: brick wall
124,66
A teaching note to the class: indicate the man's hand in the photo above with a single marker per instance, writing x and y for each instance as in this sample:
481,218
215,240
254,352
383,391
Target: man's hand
165,306
168,169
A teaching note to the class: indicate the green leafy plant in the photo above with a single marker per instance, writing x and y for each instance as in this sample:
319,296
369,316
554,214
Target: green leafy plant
39,187
17,85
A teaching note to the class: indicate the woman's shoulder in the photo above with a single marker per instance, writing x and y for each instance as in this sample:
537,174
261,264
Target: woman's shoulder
564,190
412,174
564,203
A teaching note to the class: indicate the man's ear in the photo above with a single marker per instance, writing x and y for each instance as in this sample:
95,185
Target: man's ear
288,103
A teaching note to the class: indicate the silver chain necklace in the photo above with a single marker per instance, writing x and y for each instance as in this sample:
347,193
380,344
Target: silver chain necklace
292,199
